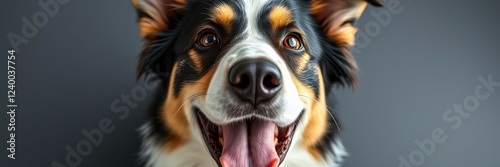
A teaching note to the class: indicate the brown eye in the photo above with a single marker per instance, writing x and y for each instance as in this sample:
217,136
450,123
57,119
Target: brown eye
208,39
292,42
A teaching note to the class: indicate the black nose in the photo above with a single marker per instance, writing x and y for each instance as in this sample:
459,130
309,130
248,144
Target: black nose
255,81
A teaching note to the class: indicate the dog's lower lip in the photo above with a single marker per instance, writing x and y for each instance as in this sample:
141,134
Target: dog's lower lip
214,138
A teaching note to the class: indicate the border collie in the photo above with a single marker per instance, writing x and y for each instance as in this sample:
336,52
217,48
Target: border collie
245,83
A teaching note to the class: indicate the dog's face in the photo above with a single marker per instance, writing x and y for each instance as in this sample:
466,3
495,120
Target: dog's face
248,78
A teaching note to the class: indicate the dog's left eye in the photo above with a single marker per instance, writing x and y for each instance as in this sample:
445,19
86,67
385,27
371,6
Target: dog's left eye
208,39
292,42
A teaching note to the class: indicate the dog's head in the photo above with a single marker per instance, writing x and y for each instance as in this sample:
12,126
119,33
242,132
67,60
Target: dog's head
249,78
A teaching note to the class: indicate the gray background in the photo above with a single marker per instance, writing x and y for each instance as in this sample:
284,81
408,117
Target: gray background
427,59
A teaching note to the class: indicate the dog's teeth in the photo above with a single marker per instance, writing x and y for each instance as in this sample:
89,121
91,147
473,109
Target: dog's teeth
274,163
220,131
224,164
276,131
221,141
275,141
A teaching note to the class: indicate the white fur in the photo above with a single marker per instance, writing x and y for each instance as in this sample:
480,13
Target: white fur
192,154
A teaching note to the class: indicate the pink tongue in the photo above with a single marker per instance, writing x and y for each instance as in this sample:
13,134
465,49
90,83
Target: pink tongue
242,143
235,149
261,141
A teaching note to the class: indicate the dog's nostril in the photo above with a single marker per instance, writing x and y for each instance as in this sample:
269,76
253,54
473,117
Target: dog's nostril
271,81
242,81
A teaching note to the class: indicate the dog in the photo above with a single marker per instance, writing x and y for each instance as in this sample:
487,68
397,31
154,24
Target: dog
245,83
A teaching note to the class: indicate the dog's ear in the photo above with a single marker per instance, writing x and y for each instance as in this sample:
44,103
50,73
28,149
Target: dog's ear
336,20
156,18
337,17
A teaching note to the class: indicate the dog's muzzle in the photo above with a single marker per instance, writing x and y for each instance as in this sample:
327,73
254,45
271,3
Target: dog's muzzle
254,132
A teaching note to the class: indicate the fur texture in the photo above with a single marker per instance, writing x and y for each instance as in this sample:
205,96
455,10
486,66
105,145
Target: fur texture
191,45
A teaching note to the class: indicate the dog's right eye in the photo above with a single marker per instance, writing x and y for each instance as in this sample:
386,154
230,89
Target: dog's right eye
292,42
208,39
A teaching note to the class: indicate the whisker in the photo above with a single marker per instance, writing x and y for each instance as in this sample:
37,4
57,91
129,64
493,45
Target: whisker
187,100
204,83
328,111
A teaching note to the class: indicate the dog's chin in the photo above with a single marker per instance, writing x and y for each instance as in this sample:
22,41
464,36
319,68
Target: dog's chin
249,142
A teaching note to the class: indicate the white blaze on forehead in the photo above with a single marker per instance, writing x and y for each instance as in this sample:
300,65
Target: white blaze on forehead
252,10
254,44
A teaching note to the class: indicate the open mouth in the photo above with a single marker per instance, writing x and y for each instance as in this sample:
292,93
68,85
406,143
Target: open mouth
248,143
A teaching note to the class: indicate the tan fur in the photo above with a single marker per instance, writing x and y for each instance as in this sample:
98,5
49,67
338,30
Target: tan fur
317,123
223,14
174,107
318,120
302,62
193,55
280,16
173,115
